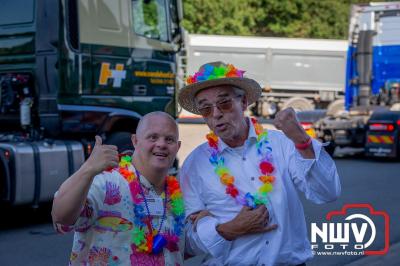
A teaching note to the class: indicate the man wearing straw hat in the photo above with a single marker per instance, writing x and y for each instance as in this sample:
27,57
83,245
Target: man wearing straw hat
246,177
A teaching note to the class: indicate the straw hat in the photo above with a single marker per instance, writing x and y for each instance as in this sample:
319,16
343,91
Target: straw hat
216,74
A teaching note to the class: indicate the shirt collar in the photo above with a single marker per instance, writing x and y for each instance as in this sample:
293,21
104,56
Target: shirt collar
142,179
251,137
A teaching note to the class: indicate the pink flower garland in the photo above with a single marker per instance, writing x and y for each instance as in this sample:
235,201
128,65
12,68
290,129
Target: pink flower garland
266,168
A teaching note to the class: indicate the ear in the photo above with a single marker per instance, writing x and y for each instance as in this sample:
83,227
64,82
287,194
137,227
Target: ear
134,140
179,144
244,102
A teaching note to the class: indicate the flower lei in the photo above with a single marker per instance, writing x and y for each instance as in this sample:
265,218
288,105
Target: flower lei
142,239
264,152
210,72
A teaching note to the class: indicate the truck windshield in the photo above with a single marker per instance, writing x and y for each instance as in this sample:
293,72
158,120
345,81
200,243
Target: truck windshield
150,19
12,13
173,7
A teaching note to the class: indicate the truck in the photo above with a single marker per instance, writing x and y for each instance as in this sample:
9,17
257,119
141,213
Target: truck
370,117
305,74
73,69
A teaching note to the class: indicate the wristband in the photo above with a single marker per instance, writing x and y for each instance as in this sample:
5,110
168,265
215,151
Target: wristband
305,145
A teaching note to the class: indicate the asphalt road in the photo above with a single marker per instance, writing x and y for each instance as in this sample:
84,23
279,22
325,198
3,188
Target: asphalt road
27,237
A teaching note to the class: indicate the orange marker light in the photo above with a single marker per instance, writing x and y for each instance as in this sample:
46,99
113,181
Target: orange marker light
89,149
7,154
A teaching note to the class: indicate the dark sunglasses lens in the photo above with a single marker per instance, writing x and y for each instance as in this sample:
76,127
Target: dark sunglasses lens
205,111
225,106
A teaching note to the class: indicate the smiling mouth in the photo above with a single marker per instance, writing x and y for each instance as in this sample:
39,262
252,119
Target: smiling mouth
160,154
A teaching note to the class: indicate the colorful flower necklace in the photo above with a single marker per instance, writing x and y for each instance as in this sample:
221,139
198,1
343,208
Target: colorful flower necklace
152,241
264,152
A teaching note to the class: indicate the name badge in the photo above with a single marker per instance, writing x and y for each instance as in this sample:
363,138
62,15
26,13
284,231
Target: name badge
156,206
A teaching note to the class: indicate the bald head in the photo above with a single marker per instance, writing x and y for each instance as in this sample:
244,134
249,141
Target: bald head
147,120
156,144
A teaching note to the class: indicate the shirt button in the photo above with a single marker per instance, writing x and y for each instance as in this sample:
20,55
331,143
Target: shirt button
252,178
244,158
266,242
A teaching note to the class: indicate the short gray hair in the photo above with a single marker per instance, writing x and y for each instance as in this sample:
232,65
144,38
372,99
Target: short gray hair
238,91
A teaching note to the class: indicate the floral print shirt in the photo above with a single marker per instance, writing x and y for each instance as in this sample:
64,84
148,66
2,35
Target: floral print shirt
103,230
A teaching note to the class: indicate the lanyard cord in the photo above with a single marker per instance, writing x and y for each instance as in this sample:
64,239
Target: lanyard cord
147,207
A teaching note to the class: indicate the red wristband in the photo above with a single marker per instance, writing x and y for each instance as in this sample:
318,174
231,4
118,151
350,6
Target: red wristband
305,145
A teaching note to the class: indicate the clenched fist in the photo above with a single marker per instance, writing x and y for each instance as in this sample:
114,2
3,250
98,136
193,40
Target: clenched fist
286,121
102,157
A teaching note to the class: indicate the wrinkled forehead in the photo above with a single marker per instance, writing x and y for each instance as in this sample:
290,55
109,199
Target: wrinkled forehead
214,93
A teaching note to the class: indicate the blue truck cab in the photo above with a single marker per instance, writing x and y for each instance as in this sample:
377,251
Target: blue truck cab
372,88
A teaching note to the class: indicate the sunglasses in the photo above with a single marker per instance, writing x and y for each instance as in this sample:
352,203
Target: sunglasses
224,106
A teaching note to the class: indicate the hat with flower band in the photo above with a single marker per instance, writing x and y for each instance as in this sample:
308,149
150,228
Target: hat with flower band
216,74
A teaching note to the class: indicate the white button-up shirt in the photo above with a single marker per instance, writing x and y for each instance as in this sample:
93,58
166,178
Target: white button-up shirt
288,244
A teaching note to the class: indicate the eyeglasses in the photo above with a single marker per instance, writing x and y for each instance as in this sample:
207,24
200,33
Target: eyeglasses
224,106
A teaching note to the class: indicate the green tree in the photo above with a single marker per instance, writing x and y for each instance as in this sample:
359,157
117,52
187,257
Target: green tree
218,17
284,18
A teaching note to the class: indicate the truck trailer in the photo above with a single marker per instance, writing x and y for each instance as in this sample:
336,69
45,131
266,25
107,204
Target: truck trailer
73,69
305,74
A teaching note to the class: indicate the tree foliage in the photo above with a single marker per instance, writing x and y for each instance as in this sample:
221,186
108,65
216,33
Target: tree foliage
284,18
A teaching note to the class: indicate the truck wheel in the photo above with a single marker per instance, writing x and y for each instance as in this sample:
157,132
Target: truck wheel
5,193
395,107
268,109
265,109
298,104
335,107
122,140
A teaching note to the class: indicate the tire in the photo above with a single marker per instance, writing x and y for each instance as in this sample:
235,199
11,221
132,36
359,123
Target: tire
122,140
335,107
395,107
298,104
268,109
4,175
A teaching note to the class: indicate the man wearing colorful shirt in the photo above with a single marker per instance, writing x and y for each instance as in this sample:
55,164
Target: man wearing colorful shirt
126,211
247,177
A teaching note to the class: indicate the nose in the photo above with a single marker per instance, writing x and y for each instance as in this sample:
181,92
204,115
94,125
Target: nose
216,113
161,143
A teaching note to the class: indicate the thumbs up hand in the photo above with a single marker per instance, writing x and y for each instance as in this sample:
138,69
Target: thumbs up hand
102,157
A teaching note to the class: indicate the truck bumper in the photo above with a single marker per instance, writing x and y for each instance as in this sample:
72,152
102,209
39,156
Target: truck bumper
381,145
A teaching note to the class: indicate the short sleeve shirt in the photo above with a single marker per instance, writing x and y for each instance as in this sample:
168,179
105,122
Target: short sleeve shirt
103,230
